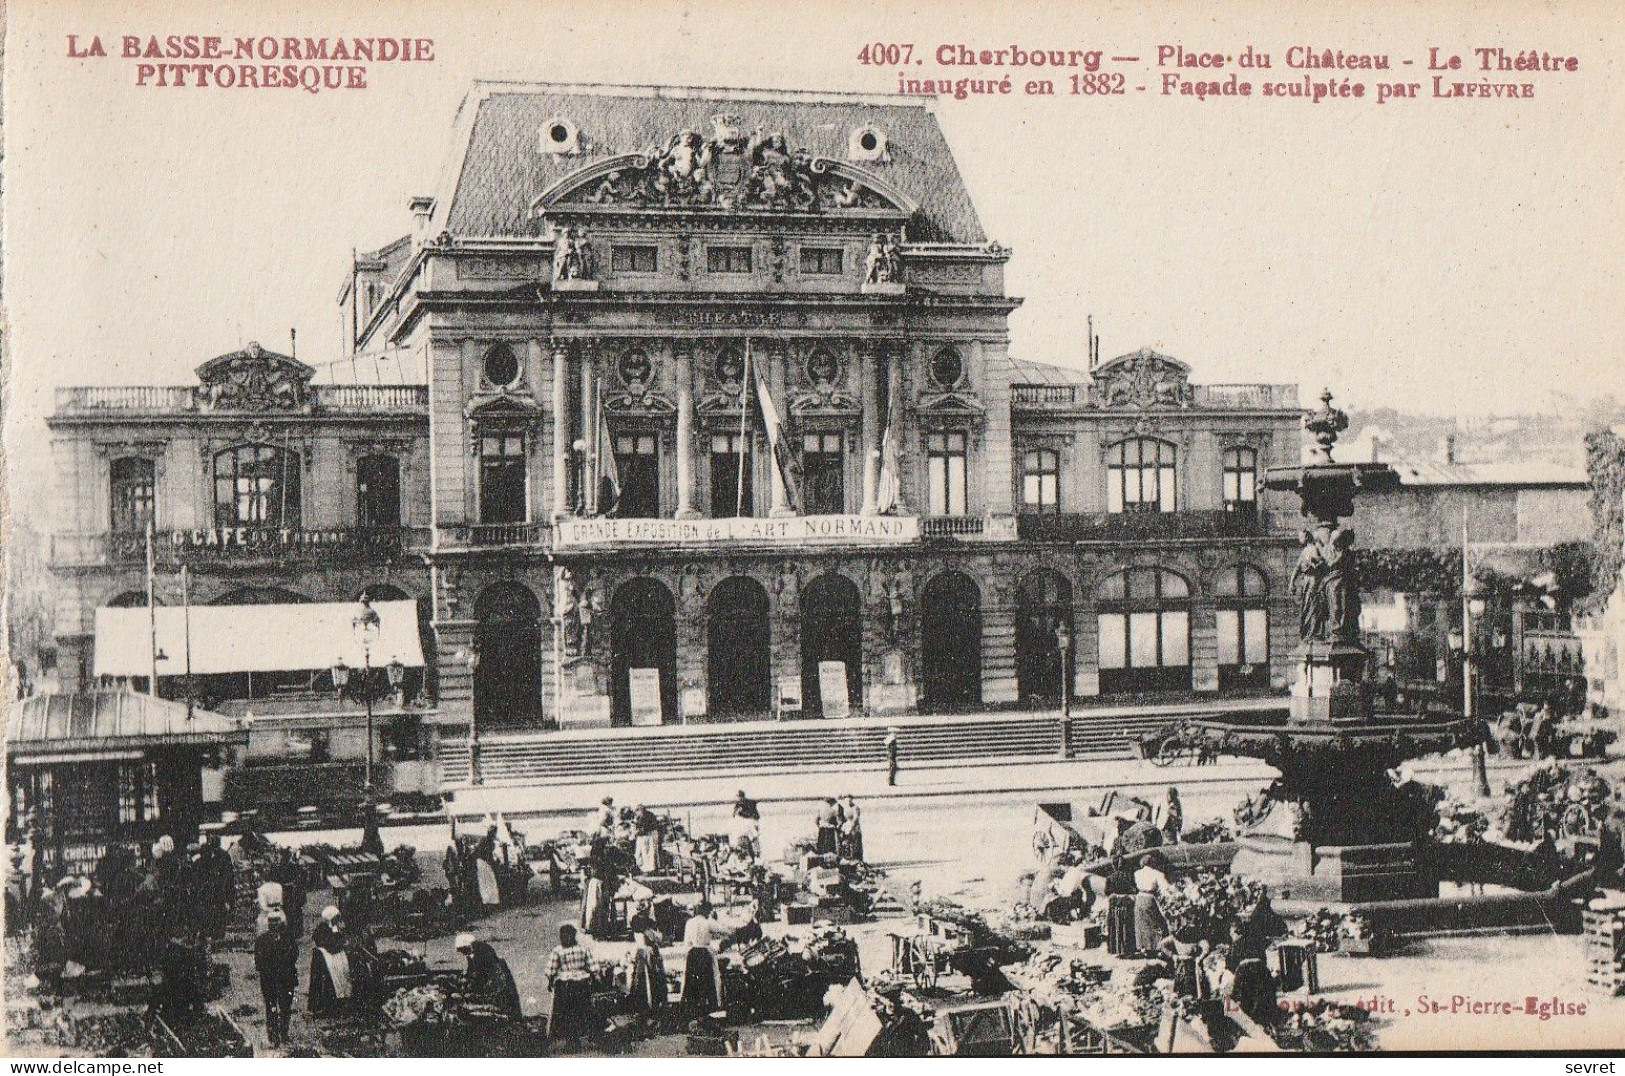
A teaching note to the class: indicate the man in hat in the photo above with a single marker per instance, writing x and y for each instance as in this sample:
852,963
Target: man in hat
851,828
892,747
604,821
276,962
332,986
487,979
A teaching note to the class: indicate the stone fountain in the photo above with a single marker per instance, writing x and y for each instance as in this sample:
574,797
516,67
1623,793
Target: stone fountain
1334,827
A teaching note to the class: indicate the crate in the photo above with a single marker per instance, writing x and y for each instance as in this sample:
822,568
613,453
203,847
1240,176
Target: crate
1604,939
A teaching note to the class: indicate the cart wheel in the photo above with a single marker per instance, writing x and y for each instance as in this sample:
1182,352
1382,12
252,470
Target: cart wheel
1168,753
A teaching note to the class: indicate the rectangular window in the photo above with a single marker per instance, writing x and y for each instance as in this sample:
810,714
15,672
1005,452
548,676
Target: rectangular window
502,478
945,472
1243,637
1041,481
1113,641
633,259
378,491
638,461
823,473
821,261
132,495
1142,632
1176,637
727,497
728,259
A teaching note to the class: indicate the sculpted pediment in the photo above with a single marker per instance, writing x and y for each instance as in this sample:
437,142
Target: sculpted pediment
502,405
726,170
254,379
959,402
1143,380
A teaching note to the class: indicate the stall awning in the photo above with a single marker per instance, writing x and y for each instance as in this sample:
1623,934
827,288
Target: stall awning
46,727
252,638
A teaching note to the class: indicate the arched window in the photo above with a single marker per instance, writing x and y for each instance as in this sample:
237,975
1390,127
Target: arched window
256,486
1242,596
131,494
1144,629
1240,480
1140,476
378,491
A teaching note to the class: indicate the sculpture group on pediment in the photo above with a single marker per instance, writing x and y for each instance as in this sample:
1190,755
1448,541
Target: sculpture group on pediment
1145,380
730,171
255,380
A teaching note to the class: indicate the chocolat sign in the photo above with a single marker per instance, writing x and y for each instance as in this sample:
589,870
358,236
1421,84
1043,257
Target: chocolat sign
791,531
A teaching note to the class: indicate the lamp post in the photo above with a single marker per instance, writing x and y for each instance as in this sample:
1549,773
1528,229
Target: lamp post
1472,605
473,718
367,625
1063,644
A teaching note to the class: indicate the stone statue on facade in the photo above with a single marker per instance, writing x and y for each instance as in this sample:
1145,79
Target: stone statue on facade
572,256
567,612
893,259
876,266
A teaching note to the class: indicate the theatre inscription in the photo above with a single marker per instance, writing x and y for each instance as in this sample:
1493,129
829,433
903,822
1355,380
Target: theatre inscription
792,531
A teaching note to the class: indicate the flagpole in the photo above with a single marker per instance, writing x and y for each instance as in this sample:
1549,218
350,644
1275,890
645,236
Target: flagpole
186,610
745,389
152,617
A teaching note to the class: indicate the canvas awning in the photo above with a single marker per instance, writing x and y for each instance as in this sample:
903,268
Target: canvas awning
253,638
109,724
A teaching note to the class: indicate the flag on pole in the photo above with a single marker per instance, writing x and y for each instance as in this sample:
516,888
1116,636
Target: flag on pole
778,440
609,474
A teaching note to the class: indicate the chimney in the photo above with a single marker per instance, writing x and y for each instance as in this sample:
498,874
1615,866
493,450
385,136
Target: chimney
422,208
1447,450
1376,449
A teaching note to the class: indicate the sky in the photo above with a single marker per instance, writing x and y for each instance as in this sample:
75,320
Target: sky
1439,256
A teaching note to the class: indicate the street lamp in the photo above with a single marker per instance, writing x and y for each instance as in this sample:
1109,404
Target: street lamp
1473,605
367,625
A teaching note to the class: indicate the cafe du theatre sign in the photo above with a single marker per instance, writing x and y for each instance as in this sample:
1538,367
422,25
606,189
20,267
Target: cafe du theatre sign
791,532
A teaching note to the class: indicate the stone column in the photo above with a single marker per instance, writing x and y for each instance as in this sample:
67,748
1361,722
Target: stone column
894,419
869,387
683,368
775,386
589,432
561,429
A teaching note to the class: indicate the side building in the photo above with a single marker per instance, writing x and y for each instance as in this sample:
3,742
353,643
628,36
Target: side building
720,423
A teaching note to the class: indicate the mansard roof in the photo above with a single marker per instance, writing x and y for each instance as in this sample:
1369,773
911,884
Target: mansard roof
498,166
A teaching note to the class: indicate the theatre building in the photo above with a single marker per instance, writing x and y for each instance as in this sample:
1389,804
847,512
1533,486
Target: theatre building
719,423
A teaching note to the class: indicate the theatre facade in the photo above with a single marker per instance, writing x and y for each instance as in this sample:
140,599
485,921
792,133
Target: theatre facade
718,420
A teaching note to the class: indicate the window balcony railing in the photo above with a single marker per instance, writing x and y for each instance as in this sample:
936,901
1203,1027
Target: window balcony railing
1142,526
969,528
493,535
233,543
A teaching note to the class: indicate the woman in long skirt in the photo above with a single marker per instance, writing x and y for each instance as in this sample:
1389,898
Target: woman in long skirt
1120,888
702,979
569,977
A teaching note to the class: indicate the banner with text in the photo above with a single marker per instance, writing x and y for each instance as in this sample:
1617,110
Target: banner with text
791,531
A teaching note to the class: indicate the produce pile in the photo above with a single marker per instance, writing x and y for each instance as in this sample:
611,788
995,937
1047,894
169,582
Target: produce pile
1547,796
1326,1027
1212,831
418,1004
1324,929
1206,903
1460,823
1052,977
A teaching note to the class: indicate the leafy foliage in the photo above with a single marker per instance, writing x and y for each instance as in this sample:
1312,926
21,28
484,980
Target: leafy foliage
1605,464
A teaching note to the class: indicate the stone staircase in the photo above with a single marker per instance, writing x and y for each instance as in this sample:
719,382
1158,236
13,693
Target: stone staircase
548,758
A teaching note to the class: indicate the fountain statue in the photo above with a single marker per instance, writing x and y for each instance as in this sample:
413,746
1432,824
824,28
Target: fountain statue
1334,827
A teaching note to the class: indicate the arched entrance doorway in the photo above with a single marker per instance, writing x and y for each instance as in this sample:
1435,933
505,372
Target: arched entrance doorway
642,635
508,639
951,642
831,630
1043,604
739,676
